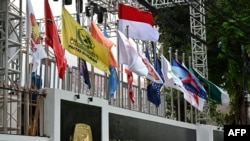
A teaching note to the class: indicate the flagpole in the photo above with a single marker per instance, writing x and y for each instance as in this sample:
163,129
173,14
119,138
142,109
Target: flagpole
148,83
46,75
139,88
127,35
120,71
185,102
27,69
106,85
154,51
78,59
171,90
178,92
192,107
195,110
92,67
163,90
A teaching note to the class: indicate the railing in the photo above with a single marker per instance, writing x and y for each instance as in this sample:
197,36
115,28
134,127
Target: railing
21,108
74,82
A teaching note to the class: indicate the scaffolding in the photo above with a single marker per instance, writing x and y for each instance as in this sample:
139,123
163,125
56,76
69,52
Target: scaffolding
11,23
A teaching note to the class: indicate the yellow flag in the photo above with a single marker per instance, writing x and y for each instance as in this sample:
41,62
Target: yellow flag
79,42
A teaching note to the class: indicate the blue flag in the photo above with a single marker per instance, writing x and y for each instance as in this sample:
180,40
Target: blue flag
190,82
154,89
113,81
113,76
83,69
84,72
158,68
154,94
147,53
105,32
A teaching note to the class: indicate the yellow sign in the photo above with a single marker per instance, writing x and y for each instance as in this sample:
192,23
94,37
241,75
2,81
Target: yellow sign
79,42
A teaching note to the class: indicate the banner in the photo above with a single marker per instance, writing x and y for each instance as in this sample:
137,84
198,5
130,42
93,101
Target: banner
79,42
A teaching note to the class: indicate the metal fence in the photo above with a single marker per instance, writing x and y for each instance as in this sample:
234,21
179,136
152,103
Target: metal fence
21,107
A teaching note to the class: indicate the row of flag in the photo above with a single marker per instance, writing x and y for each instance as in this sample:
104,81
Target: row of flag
95,48
137,24
52,39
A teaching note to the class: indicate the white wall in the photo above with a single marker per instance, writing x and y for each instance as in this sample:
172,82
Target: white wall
4,137
52,116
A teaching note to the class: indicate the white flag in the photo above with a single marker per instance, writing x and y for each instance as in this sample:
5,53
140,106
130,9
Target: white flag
129,56
170,79
36,49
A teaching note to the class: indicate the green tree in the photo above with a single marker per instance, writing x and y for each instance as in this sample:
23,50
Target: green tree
227,30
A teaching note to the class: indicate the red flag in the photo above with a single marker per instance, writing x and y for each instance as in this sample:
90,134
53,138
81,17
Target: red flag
130,85
52,39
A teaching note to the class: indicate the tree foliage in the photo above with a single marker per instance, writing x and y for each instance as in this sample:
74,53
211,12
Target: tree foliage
228,33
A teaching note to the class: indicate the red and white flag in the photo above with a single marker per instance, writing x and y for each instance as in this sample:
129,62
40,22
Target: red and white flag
152,73
139,22
36,49
52,39
129,56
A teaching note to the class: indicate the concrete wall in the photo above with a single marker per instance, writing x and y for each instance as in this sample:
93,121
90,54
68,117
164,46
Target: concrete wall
52,104
140,124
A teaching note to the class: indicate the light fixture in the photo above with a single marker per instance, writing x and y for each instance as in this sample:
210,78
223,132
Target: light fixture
67,2
77,96
90,99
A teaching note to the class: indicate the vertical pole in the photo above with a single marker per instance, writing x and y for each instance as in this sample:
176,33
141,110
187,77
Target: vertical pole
19,96
106,84
185,102
120,74
163,90
171,90
196,112
178,93
92,67
155,55
118,95
78,59
27,69
127,35
139,86
5,63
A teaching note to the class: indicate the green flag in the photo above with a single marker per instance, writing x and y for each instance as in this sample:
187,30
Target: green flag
215,93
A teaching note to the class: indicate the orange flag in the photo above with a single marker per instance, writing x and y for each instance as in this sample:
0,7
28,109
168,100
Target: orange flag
98,35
